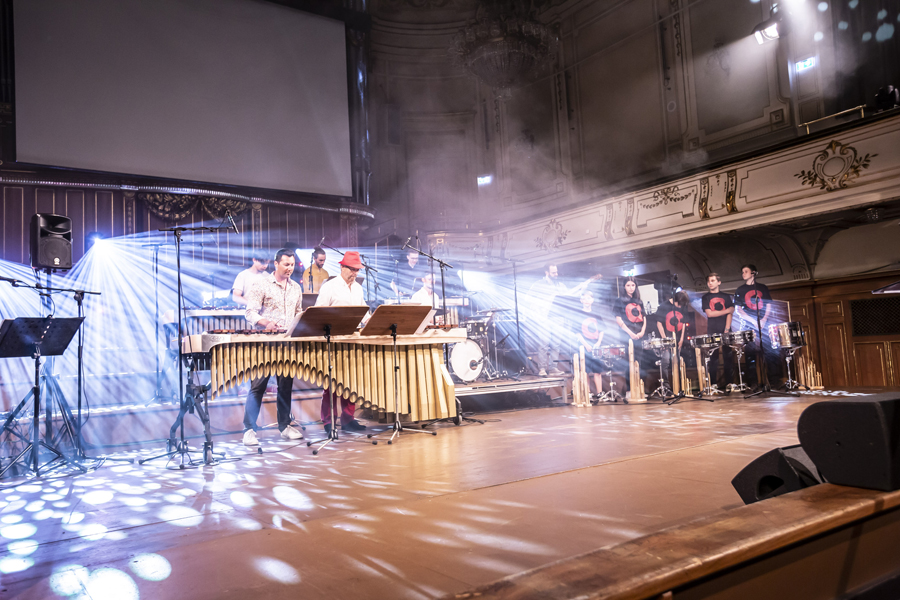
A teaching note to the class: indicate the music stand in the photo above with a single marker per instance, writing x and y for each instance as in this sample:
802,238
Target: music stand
328,321
397,320
36,337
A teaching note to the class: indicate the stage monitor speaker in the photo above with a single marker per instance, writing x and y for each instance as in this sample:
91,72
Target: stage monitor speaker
855,441
51,241
776,472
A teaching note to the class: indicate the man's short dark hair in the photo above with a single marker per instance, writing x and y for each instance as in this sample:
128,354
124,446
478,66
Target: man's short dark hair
751,267
716,275
548,265
317,251
681,299
260,259
283,252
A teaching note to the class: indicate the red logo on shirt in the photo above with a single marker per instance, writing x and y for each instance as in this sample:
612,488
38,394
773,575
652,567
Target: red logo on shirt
674,321
634,313
753,300
590,329
717,304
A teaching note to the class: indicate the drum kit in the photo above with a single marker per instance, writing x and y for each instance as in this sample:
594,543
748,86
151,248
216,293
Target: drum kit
789,337
608,355
476,357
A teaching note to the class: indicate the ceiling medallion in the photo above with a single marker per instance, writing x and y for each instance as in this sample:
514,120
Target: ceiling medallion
834,167
504,44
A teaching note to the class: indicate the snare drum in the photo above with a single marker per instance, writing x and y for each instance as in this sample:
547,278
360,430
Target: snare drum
608,353
739,338
466,360
705,342
659,344
787,335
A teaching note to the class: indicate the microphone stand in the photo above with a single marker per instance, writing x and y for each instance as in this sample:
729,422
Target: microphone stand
181,447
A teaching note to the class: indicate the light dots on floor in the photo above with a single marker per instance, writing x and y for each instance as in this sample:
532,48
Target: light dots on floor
180,516
151,567
276,570
19,531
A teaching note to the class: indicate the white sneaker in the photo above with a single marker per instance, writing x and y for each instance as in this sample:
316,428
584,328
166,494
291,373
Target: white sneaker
542,373
291,433
250,438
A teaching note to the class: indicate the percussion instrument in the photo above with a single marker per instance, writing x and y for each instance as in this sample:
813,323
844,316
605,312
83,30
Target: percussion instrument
659,344
466,360
787,335
362,366
198,320
738,338
610,352
476,327
705,342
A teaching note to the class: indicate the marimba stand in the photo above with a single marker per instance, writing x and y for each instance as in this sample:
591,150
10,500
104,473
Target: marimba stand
329,321
396,320
36,337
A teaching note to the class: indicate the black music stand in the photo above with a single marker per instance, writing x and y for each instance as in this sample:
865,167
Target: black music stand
36,337
397,320
328,321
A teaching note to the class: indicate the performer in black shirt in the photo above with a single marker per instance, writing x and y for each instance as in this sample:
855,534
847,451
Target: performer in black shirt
670,318
587,332
629,313
719,309
753,299
408,278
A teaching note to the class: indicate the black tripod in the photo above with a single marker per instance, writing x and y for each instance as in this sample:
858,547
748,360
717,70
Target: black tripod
761,365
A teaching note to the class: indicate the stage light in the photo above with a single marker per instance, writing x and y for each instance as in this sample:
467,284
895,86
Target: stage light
770,29
93,238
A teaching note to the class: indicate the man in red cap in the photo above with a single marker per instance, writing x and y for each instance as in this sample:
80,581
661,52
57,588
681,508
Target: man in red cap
342,291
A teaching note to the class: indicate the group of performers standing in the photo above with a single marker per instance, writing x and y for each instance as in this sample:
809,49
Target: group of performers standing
625,318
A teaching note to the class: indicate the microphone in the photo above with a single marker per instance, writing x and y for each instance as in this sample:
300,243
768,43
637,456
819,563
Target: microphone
407,243
231,220
322,241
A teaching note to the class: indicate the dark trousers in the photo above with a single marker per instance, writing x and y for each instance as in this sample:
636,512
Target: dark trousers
348,409
774,363
728,375
254,401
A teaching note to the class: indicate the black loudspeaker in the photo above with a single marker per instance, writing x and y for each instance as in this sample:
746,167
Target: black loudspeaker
51,242
855,442
776,472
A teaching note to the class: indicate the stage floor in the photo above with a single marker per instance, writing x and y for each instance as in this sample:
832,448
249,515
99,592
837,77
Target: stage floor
424,517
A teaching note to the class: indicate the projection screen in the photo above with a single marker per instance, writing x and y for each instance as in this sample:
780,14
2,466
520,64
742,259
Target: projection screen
239,92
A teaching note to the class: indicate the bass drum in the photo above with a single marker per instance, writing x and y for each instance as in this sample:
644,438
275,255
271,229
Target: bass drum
466,361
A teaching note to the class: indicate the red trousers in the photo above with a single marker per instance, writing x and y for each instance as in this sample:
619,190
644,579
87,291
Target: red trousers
348,409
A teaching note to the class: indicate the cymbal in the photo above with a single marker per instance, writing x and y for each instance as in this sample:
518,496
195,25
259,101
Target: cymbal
492,310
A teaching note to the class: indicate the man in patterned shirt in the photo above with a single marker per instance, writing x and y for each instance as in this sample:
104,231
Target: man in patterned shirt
273,301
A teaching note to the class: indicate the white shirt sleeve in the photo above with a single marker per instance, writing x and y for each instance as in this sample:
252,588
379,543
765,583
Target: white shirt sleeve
239,282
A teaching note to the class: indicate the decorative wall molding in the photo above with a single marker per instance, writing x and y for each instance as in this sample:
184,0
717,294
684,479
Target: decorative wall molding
835,167
173,207
763,190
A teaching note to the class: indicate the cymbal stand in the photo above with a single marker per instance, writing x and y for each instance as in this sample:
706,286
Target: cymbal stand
397,428
710,389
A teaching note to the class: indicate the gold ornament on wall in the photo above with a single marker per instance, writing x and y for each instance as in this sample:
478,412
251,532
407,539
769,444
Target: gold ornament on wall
835,167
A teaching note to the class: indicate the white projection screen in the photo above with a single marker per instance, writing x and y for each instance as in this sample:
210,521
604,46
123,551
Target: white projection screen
240,92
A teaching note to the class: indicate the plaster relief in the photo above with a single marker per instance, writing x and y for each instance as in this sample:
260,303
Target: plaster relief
668,204
552,237
835,167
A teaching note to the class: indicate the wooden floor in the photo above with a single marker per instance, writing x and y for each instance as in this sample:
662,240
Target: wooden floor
424,517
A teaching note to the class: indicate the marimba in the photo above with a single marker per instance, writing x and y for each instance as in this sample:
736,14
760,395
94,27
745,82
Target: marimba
363,366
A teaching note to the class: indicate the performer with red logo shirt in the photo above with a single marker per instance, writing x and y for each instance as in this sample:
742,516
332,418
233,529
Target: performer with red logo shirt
588,334
670,318
752,300
719,309
629,313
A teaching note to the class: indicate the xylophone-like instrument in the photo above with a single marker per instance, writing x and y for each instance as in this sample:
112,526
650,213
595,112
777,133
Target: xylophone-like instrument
363,366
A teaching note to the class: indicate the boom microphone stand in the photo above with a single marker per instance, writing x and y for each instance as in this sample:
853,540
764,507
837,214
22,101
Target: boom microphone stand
181,447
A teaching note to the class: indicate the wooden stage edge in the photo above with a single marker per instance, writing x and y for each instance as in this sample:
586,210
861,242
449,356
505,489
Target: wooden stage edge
820,542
